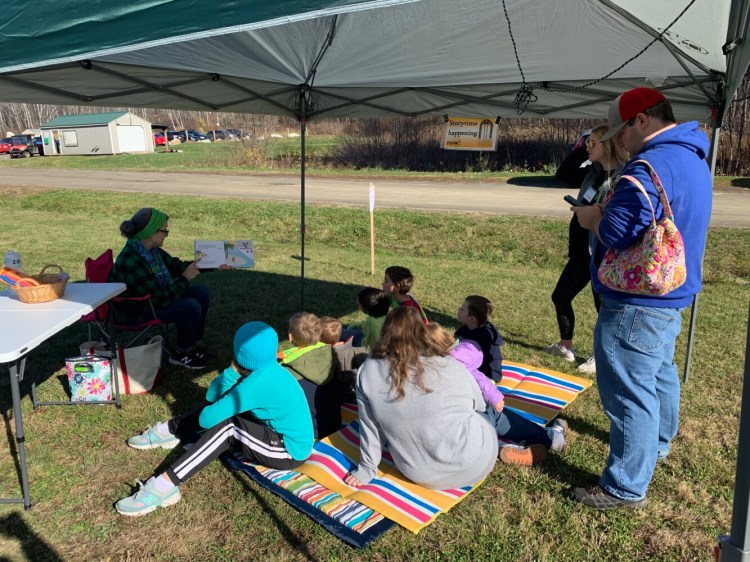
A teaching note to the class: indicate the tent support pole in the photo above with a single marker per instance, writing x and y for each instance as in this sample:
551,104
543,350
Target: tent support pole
736,546
713,152
302,128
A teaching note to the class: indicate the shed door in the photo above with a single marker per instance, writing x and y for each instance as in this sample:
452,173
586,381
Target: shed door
132,138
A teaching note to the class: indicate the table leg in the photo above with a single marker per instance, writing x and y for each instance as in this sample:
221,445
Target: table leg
16,375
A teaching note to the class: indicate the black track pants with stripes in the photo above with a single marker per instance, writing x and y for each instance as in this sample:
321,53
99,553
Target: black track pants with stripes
258,443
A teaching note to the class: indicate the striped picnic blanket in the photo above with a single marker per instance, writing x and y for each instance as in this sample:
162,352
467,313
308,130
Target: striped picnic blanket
359,515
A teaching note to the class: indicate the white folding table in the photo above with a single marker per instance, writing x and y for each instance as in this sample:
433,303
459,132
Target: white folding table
24,326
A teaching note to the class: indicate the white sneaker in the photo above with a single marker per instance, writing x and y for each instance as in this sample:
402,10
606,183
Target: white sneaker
588,366
560,438
560,350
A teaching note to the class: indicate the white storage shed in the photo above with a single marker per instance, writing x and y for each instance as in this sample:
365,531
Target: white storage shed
101,133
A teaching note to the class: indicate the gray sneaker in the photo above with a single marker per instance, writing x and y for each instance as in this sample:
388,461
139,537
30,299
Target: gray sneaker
151,439
588,366
561,351
598,498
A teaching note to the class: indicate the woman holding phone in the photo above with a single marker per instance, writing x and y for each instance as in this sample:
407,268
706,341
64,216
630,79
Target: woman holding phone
607,160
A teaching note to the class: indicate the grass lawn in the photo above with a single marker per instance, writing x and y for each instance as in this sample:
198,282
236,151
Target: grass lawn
79,464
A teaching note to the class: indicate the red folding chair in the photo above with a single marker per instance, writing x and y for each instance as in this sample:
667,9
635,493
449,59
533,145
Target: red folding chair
98,271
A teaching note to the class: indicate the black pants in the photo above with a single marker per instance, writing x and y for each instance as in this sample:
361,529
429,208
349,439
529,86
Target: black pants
257,442
574,277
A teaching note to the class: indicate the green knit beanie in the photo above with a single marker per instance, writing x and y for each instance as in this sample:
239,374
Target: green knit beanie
156,221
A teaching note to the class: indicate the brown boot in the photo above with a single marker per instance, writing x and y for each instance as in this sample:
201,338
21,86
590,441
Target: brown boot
532,455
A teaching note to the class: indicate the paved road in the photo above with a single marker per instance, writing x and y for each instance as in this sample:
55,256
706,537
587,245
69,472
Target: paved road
524,196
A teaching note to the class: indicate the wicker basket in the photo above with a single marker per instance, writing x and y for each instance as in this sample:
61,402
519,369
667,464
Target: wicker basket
51,286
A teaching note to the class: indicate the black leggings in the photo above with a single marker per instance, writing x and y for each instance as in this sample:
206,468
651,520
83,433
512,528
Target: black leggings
574,277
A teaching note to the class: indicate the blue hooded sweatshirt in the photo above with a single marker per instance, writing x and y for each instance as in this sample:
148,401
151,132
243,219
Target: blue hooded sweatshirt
678,155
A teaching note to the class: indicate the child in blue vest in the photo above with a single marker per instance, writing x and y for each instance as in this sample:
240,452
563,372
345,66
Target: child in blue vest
255,406
474,316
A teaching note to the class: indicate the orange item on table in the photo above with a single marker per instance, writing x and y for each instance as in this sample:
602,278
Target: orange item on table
16,278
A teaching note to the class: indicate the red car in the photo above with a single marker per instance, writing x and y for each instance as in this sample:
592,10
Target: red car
5,145
159,139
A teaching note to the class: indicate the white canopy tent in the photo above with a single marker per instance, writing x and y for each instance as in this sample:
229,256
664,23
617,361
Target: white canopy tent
360,58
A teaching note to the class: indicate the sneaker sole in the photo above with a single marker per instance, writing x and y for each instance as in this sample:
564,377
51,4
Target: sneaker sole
520,457
166,503
567,358
166,445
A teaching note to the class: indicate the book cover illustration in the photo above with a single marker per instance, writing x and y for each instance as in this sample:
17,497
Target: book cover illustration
215,253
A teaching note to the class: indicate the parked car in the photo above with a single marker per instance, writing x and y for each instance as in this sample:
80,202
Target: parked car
235,133
186,135
196,136
5,145
25,146
159,139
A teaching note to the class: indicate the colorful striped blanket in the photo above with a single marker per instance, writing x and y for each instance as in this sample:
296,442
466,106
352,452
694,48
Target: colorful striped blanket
359,515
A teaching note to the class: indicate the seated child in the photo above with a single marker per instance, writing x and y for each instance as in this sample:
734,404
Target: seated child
347,358
311,363
376,304
255,406
469,354
397,282
534,440
474,316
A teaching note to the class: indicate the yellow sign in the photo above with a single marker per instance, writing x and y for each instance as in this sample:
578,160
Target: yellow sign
470,133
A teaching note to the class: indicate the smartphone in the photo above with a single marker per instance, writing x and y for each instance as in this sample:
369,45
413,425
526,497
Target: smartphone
573,201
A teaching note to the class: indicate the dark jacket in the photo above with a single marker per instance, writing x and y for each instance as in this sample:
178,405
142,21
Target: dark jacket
132,269
490,341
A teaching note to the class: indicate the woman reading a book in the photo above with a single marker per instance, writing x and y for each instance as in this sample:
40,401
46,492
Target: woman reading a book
147,269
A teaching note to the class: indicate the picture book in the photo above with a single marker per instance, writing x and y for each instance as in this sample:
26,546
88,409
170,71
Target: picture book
212,254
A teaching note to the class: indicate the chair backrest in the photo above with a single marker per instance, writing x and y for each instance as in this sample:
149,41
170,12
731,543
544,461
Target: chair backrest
97,271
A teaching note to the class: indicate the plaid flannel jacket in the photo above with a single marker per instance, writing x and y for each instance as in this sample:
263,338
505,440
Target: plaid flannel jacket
132,269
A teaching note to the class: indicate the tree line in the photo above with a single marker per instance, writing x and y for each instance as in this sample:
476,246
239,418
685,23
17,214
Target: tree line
409,143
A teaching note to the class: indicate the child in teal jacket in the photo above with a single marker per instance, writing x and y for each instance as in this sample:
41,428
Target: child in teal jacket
255,406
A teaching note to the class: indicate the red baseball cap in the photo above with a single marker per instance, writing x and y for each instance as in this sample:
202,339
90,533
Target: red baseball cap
629,104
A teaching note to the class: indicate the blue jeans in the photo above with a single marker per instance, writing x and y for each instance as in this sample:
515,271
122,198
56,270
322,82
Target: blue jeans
639,389
188,314
355,333
513,426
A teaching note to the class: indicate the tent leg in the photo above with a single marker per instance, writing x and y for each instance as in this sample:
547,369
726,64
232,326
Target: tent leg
302,210
689,352
718,116
736,547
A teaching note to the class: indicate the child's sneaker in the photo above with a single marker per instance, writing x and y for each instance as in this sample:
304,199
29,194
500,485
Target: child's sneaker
588,366
523,456
151,439
560,350
560,437
147,499
187,359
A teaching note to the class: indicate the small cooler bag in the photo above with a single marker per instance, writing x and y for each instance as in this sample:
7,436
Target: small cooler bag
90,378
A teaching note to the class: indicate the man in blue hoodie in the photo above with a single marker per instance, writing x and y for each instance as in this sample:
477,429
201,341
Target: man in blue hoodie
634,339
